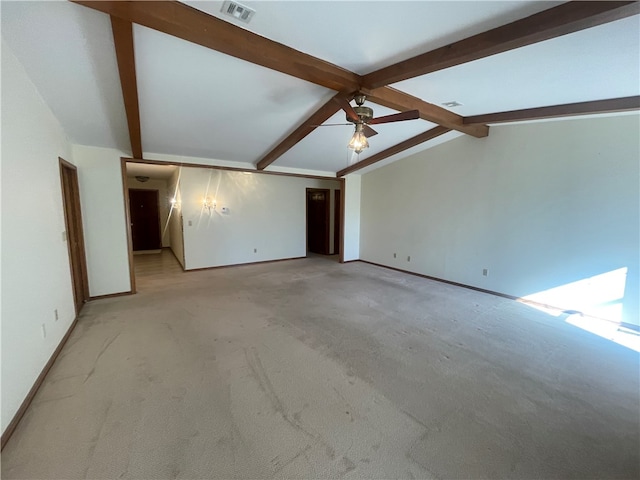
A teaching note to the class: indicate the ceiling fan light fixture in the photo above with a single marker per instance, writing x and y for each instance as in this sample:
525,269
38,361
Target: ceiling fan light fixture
358,141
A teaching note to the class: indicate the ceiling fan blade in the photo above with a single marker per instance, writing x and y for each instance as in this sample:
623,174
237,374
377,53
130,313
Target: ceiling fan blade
346,106
369,132
331,124
396,117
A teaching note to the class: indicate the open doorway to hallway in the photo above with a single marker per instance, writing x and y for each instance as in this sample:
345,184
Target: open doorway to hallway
155,224
323,208
318,220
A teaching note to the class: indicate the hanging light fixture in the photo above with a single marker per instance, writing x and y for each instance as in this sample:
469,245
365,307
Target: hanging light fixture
359,140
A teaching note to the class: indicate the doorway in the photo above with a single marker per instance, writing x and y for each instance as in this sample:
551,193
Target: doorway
144,213
318,213
74,233
337,210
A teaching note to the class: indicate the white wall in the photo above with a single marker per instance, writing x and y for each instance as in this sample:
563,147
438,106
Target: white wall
539,205
352,217
265,212
164,206
36,278
175,217
103,218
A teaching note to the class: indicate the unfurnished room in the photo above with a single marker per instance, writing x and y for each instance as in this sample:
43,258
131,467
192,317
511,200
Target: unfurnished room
320,239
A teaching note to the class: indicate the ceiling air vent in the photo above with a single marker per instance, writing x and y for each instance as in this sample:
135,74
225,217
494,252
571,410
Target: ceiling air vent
237,11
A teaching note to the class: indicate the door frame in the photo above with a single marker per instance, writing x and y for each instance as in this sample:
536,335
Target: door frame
343,186
72,208
158,210
127,216
337,221
327,220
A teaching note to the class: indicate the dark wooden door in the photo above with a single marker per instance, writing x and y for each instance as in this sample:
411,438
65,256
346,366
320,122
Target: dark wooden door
336,222
74,233
145,219
318,221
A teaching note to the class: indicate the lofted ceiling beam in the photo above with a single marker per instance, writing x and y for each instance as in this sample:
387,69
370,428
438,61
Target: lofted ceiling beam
190,24
397,100
401,147
570,109
309,125
185,22
567,18
123,39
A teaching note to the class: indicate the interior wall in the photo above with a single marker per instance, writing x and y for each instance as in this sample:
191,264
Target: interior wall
163,201
176,240
265,213
549,209
352,201
36,276
103,218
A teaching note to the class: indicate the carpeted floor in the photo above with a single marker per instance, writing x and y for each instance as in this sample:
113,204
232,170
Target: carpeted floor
312,369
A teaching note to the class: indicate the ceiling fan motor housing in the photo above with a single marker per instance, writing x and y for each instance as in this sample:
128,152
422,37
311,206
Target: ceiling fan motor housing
365,114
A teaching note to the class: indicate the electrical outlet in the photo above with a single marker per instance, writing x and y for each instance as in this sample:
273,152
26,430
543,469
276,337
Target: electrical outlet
485,272
44,331
55,312
409,258
394,255
255,250
190,223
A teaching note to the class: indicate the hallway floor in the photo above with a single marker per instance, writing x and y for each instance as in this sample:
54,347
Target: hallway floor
313,369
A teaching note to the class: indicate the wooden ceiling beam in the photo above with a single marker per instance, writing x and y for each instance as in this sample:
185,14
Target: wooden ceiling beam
570,109
392,98
567,18
308,126
123,39
401,147
187,23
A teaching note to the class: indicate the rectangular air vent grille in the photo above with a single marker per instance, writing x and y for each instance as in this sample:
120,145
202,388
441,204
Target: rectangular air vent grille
237,11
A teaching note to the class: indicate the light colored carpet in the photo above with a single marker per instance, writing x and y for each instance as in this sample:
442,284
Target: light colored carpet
312,369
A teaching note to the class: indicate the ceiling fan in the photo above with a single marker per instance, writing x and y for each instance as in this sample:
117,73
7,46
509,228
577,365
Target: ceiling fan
362,117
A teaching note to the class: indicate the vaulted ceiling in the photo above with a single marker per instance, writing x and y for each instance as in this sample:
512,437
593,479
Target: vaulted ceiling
185,79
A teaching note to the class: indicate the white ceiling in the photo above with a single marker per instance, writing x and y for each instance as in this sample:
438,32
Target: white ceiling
68,52
594,64
197,102
201,103
159,172
363,36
